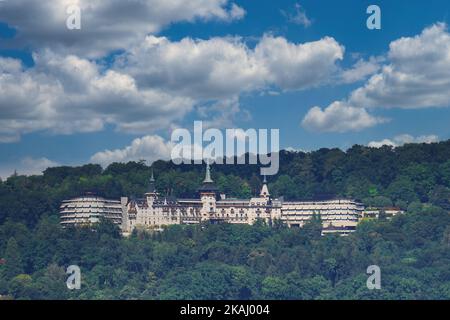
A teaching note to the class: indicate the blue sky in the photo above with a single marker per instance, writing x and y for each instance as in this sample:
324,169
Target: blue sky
115,90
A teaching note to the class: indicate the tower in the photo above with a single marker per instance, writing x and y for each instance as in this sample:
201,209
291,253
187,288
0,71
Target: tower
208,194
264,190
151,194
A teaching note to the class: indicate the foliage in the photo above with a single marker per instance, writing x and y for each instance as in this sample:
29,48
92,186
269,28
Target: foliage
237,261
232,261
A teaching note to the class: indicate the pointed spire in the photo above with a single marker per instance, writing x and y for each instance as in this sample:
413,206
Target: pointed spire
208,174
151,185
152,178
208,184
264,190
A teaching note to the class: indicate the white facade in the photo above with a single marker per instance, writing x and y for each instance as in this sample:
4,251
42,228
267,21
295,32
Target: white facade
338,215
388,212
341,215
153,212
89,209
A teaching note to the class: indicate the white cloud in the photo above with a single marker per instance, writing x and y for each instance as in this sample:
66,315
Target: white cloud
339,117
27,166
66,94
37,165
222,67
154,147
417,76
403,139
236,12
198,68
105,25
149,148
298,66
361,70
292,149
155,84
384,142
298,17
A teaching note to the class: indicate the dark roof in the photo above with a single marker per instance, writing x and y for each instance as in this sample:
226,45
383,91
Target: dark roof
208,187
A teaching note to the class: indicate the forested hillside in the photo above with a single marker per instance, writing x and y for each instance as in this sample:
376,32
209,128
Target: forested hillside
237,262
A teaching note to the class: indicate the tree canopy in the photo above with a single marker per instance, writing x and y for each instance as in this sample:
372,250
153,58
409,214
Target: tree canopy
237,261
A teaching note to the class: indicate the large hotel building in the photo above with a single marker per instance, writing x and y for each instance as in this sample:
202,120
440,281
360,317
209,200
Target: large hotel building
153,211
89,209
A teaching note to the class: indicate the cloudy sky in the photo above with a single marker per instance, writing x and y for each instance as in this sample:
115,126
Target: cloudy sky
137,69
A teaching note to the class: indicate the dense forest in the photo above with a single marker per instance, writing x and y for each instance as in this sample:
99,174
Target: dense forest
230,261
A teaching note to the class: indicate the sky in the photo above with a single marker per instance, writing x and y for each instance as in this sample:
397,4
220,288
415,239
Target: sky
115,89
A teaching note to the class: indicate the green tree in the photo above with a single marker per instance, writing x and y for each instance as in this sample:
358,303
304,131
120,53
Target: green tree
13,264
274,288
402,189
284,186
21,287
52,284
313,227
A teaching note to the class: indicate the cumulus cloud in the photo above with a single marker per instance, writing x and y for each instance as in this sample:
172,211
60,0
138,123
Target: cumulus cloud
292,149
66,94
339,117
27,166
417,76
155,84
149,148
182,146
204,68
198,68
105,25
37,165
361,70
403,139
299,66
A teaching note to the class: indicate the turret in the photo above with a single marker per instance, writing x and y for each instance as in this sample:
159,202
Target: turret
264,190
151,186
151,193
208,193
208,185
